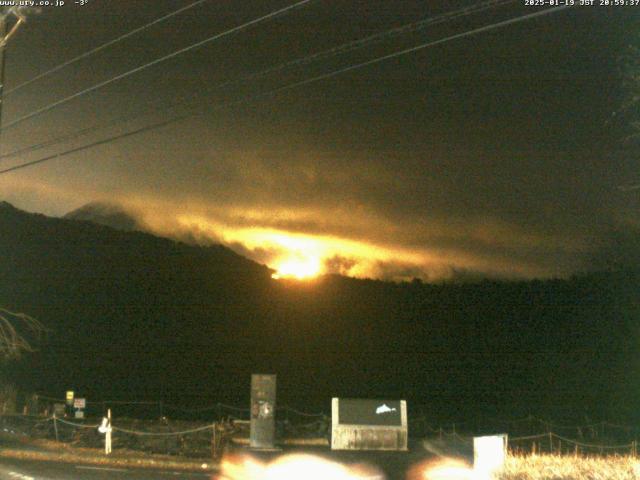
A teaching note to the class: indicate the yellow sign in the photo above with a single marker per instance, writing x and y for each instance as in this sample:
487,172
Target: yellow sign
69,396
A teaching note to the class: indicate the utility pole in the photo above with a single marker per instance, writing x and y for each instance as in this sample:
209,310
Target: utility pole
3,59
19,14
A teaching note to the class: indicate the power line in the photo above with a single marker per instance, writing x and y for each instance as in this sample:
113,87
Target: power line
128,73
97,143
292,85
377,37
339,50
3,51
74,135
102,47
417,48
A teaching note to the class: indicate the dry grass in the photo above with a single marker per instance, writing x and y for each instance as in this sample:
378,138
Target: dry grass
49,451
120,459
557,467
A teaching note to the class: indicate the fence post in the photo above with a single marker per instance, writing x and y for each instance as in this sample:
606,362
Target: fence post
214,441
107,437
55,426
550,443
105,427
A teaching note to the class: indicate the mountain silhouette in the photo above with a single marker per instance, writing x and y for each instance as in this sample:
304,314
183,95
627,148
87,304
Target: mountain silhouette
108,214
134,316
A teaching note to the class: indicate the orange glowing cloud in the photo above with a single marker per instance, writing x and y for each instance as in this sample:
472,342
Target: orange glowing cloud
302,242
298,255
272,238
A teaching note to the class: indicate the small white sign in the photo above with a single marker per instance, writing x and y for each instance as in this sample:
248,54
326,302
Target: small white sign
79,403
489,454
79,414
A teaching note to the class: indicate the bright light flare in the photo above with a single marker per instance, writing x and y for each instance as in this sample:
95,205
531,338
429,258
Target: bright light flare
442,469
298,268
293,467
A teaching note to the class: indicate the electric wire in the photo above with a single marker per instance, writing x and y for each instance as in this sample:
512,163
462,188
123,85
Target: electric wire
80,133
174,54
97,143
416,48
291,85
95,50
375,38
339,50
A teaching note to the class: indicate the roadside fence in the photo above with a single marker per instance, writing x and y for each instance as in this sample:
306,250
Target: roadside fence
159,409
528,434
558,444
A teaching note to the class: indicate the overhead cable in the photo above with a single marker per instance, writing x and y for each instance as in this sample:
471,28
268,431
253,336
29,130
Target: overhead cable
101,47
334,51
174,54
289,86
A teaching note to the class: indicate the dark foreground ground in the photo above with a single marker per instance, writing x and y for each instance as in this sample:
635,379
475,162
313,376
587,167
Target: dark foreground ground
14,469
394,465
81,464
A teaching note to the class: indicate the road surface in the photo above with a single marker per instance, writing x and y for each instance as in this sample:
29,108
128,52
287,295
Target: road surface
13,469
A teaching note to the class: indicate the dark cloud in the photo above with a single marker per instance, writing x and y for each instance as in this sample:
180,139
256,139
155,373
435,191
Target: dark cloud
488,154
617,248
339,265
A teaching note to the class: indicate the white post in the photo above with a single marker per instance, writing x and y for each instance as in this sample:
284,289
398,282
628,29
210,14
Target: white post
107,442
105,428
489,454
55,426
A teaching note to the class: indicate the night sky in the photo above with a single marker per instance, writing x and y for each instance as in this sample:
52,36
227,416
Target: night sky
496,154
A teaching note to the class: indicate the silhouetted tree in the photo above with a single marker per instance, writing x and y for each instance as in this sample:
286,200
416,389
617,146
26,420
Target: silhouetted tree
14,330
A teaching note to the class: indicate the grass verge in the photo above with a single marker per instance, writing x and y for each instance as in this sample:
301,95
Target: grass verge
46,450
564,467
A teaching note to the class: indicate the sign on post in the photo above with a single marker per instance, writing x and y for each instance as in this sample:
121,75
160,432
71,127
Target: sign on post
263,411
365,424
70,396
79,405
489,454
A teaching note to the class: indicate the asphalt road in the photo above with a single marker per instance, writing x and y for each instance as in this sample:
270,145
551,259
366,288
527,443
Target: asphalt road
394,465
12,469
